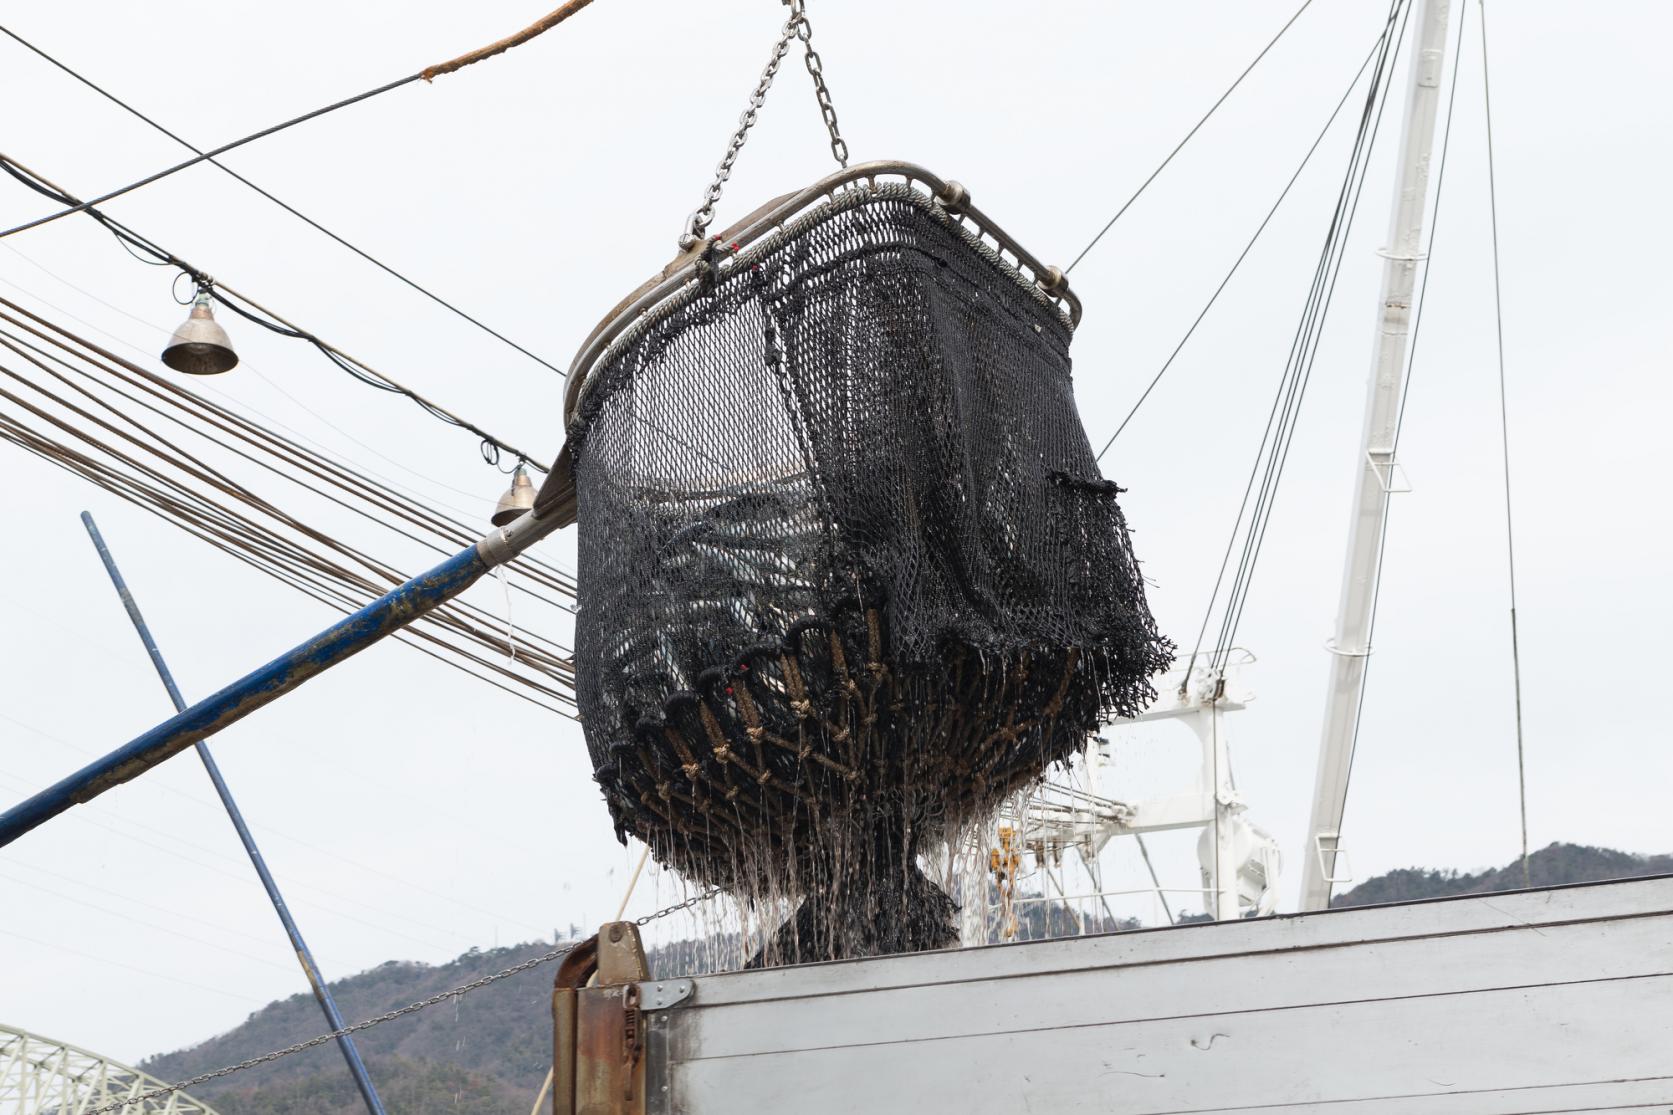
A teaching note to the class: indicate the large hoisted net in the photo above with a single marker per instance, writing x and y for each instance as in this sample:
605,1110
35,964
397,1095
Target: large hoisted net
849,574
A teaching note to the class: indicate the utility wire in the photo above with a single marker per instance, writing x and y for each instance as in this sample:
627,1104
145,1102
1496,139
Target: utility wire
1180,146
1247,248
287,207
173,487
80,206
1504,443
334,460
268,830
254,311
429,73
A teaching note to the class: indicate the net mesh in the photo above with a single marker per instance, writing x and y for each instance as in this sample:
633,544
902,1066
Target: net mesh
849,574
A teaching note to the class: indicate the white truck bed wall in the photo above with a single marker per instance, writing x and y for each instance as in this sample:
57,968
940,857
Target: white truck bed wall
1556,1000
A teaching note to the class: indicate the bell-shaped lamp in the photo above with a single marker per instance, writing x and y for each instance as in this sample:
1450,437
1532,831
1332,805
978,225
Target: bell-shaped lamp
517,499
200,347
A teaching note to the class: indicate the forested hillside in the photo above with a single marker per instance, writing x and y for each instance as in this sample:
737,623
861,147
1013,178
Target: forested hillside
1550,866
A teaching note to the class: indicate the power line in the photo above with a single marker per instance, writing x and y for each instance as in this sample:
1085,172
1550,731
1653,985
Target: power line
1180,146
254,311
131,967
1504,443
269,830
429,73
80,206
167,479
1247,248
319,907
347,465
125,916
287,207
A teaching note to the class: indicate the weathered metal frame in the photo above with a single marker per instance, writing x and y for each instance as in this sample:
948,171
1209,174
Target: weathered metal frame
599,1024
949,195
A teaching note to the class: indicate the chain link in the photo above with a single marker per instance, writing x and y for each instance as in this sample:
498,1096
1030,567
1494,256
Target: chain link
816,70
694,900
796,27
367,1024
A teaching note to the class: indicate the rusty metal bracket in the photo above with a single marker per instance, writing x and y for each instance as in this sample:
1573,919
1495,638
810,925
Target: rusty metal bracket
598,1025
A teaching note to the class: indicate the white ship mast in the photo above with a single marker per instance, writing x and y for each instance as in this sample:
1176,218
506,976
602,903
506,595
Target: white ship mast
1324,861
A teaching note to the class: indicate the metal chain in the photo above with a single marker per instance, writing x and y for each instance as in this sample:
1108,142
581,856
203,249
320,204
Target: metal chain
694,900
816,70
796,27
367,1024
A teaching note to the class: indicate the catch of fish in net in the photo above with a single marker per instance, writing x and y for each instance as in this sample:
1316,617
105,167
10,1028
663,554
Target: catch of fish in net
849,575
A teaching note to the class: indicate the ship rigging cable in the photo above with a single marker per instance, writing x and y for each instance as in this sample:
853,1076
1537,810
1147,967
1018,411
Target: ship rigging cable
1273,452
1244,254
1504,445
427,74
1180,146
287,207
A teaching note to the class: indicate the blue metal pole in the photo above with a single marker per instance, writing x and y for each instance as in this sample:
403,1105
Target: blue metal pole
382,617
357,1068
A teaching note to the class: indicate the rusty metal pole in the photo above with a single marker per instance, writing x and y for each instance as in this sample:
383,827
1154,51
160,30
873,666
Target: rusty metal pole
357,1068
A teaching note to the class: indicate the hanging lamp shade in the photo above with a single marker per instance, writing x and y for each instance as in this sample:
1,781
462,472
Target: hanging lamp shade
200,347
517,499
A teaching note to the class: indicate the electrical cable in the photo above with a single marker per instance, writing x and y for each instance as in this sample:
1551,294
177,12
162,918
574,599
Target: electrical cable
112,912
324,577
290,453
133,967
1247,248
292,210
215,807
317,908
245,365
1180,146
254,311
221,150
1504,444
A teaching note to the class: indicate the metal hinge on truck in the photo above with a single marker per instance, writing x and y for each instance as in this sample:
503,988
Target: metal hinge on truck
608,1056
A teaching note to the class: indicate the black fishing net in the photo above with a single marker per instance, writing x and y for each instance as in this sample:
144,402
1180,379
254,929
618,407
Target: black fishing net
849,574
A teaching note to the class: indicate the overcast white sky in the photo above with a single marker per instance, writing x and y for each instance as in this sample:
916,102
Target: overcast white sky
412,813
